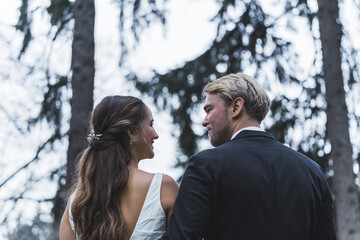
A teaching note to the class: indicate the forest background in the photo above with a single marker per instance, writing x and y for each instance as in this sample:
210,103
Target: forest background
59,57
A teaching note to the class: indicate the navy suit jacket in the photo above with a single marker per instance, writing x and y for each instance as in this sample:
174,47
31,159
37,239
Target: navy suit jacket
252,187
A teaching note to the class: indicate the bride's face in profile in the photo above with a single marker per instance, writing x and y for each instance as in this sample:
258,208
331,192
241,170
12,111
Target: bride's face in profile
145,138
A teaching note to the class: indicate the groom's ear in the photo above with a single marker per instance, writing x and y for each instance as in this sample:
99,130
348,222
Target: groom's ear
237,107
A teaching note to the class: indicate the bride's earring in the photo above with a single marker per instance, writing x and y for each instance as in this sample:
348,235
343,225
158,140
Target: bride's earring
133,140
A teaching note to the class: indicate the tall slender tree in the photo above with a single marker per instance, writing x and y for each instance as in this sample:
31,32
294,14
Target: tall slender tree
82,81
82,85
344,187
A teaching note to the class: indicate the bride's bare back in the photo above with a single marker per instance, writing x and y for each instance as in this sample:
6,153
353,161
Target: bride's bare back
133,198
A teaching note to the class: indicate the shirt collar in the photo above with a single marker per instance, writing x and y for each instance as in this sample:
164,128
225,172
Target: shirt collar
247,128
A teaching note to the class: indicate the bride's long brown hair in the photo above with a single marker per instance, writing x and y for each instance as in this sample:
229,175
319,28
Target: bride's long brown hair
103,168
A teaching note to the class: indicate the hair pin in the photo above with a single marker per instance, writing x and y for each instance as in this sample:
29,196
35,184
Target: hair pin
93,136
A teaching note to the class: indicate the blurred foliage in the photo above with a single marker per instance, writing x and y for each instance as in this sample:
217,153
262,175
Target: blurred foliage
251,42
51,105
38,230
143,14
61,12
24,25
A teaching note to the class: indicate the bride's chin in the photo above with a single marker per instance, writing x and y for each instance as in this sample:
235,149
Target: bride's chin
150,155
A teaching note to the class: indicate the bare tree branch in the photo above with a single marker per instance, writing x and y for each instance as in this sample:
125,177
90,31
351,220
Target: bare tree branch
50,140
13,198
21,196
12,120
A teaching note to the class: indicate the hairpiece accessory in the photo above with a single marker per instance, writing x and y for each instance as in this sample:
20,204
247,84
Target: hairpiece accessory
133,140
93,136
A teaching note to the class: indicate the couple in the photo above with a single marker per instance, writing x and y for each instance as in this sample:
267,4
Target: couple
248,187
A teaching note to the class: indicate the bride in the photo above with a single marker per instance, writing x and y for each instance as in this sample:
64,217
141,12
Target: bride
112,198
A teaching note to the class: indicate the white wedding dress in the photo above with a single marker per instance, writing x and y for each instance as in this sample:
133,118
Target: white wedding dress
151,223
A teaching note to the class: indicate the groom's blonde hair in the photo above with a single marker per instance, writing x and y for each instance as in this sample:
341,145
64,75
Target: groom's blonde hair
232,86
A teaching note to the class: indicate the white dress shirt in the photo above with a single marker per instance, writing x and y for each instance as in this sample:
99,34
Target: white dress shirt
247,128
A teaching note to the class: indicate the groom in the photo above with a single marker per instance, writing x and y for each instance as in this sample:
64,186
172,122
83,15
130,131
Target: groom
249,186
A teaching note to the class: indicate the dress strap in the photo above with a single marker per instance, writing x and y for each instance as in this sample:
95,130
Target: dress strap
151,207
155,186
153,194
72,197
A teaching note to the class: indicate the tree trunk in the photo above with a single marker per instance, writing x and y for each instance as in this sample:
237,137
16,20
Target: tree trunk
83,71
344,187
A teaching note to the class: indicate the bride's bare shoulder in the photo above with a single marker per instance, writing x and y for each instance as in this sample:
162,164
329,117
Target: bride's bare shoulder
168,194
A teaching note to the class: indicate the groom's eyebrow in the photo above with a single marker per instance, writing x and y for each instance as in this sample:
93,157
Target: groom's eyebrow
206,107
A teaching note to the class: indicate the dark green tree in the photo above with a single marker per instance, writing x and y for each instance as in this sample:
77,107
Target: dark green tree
254,42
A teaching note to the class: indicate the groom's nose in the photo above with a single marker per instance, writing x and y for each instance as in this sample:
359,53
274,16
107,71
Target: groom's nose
205,122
